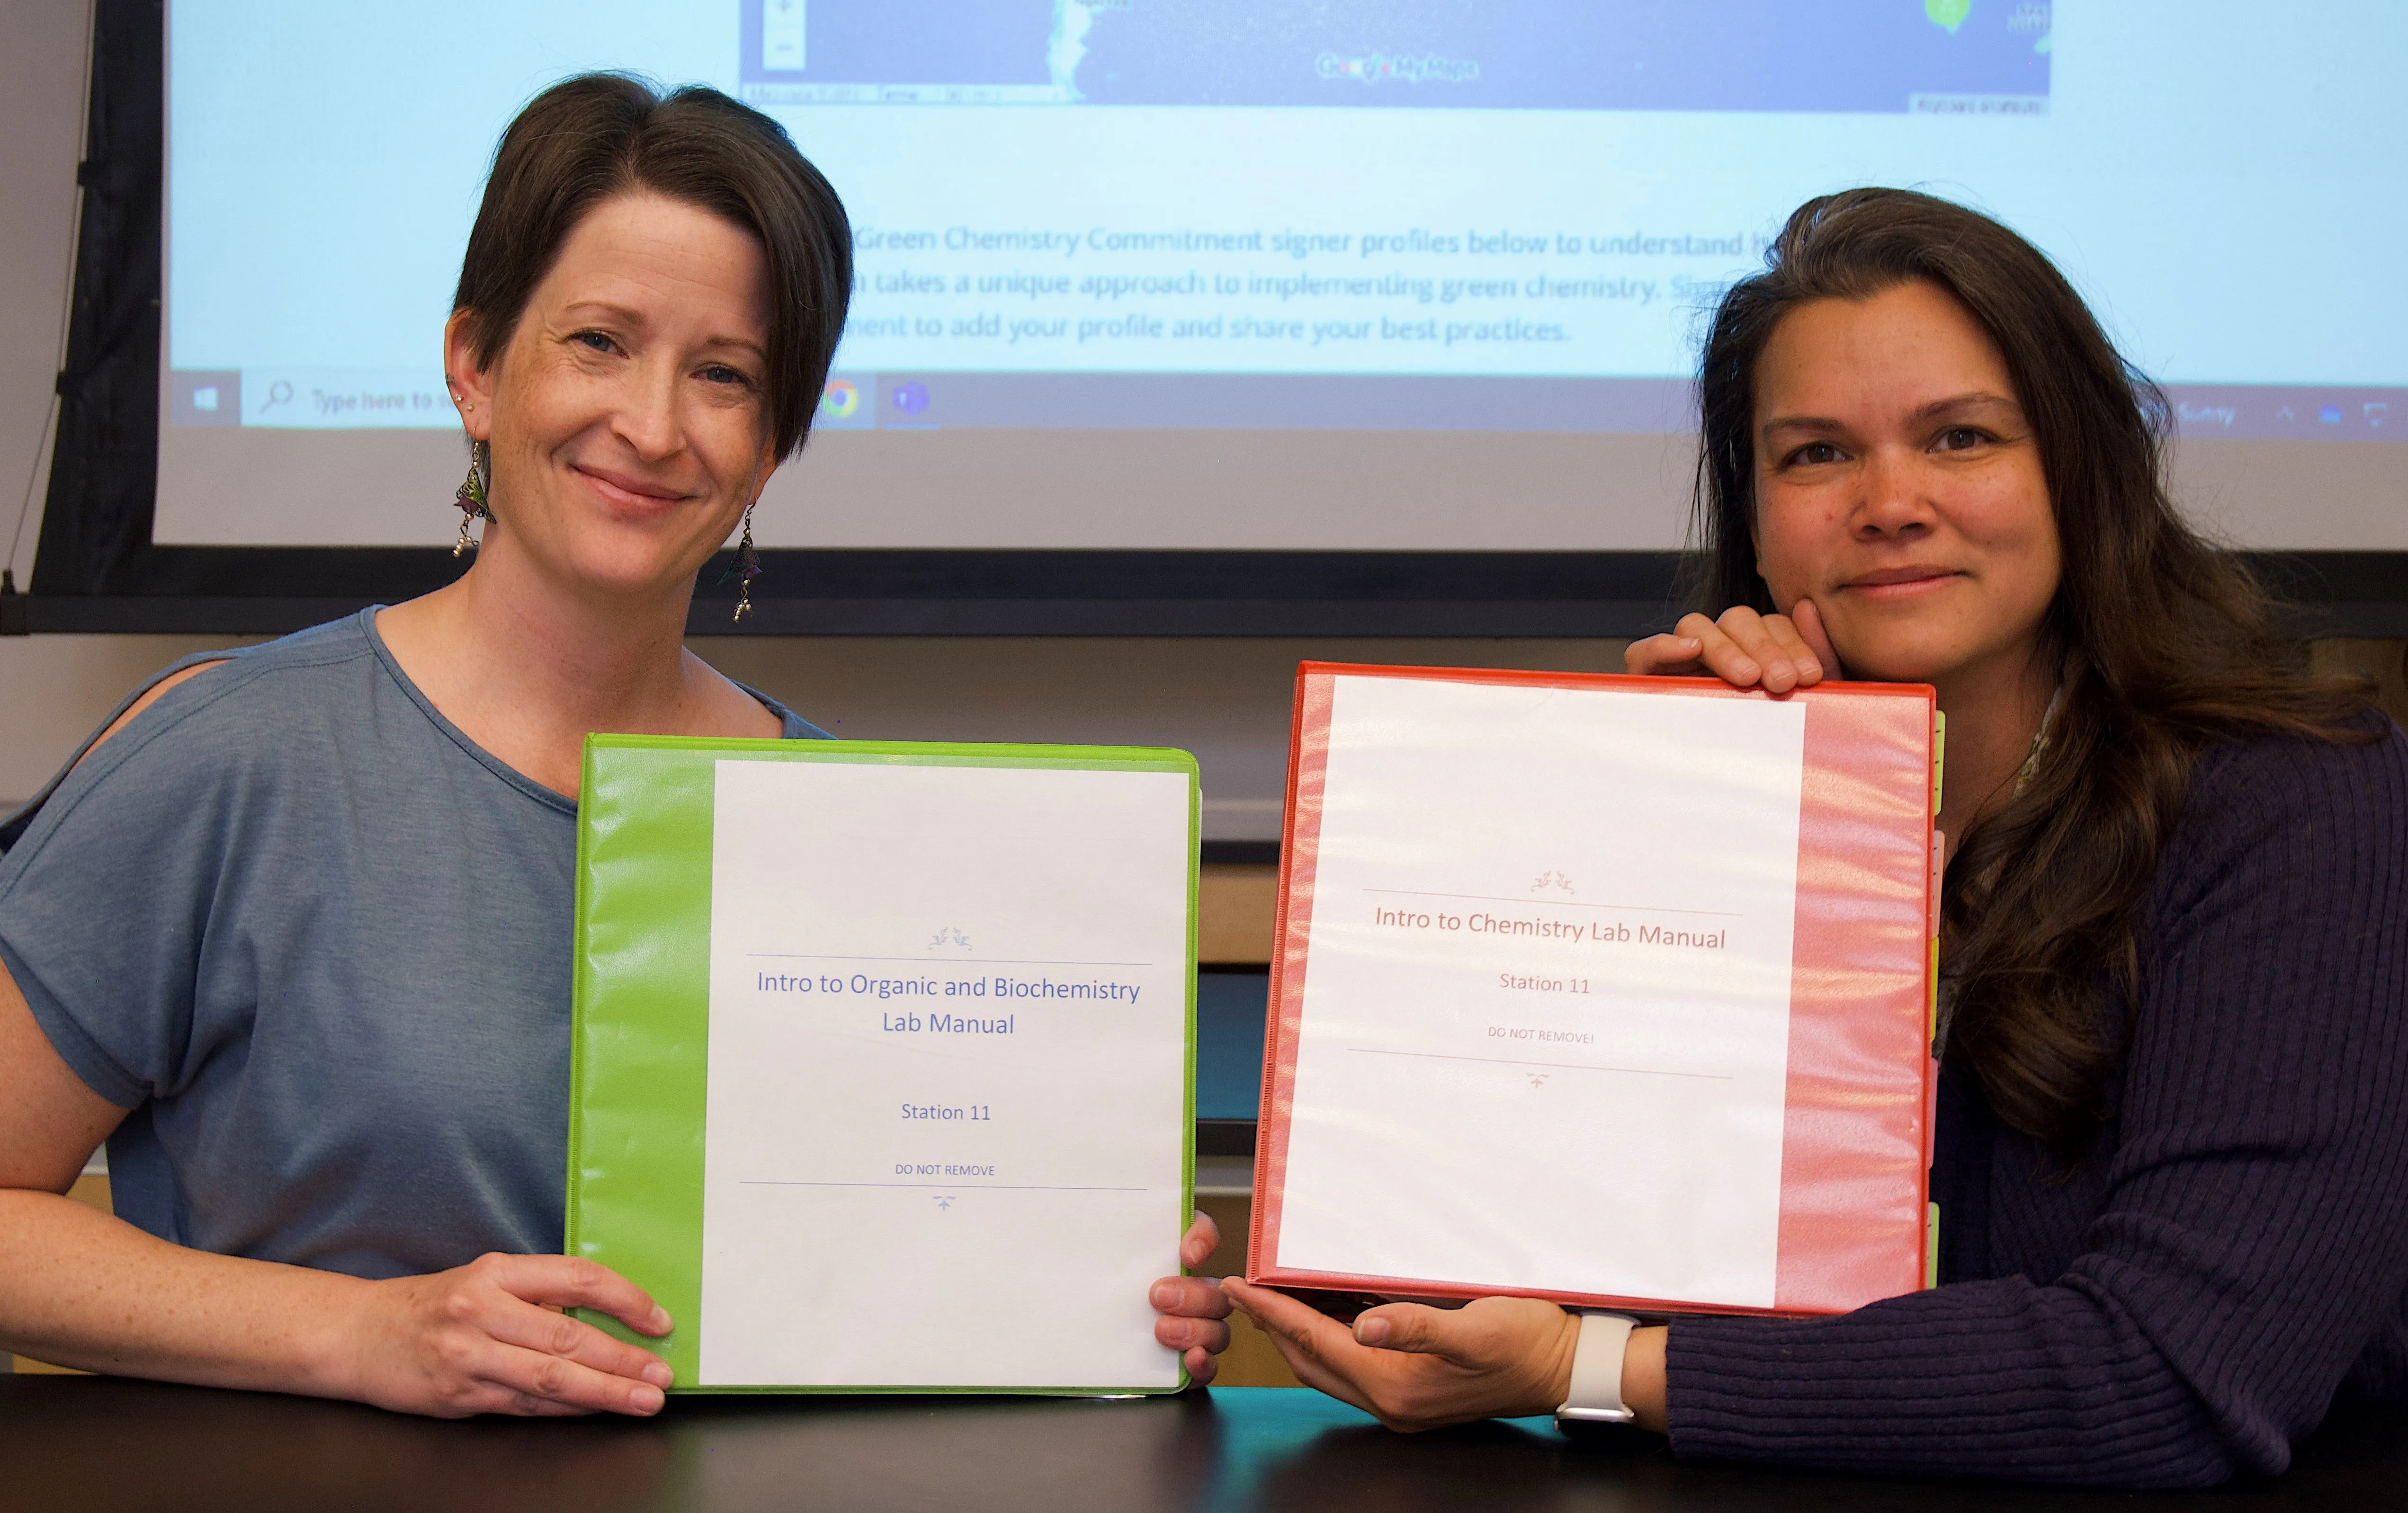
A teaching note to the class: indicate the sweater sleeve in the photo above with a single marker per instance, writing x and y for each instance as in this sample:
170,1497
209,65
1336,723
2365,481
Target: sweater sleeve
2255,1233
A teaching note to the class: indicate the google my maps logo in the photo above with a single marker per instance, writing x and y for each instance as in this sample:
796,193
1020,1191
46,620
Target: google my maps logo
1380,66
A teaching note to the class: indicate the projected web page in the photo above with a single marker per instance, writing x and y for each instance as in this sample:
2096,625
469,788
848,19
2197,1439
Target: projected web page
1426,215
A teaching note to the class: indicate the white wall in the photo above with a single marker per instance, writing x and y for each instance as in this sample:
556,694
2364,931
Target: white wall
52,689
41,109
1226,701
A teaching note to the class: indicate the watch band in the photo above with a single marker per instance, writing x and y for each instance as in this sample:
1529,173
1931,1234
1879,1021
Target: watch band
1595,1395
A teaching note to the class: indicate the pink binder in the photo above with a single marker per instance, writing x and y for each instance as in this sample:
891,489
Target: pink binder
1852,1095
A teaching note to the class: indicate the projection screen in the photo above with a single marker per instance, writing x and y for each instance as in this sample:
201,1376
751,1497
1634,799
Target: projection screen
1177,273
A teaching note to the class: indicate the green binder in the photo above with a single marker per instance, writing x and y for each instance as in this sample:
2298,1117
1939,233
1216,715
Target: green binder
954,998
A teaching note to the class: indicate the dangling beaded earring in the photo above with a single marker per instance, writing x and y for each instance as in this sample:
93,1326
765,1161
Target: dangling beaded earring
471,497
744,569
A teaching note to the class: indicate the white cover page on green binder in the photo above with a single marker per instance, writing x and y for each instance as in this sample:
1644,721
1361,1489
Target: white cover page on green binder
946,1011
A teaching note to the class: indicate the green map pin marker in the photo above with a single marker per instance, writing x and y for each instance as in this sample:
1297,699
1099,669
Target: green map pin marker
1949,14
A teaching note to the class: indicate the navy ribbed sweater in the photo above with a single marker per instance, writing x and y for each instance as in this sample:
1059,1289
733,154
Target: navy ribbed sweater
2232,1250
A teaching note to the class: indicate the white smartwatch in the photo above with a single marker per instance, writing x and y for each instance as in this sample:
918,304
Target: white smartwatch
1596,1371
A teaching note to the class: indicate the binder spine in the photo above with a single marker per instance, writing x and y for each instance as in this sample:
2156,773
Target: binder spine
1299,837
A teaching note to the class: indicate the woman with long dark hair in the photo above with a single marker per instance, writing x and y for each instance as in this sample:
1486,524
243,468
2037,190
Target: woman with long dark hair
2173,1157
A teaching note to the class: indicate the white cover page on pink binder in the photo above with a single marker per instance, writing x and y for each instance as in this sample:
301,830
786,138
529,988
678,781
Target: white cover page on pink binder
1624,1082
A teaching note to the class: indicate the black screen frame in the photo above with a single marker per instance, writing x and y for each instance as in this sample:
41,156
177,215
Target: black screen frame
97,570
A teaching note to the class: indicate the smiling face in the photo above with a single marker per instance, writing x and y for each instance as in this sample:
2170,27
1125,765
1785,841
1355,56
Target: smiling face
627,413
1900,487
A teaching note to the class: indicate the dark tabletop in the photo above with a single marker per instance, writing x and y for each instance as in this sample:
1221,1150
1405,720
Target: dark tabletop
77,1443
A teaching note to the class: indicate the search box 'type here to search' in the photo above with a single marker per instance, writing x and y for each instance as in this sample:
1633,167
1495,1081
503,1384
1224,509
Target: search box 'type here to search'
346,399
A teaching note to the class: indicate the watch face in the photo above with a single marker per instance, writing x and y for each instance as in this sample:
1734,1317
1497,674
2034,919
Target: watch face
1596,1415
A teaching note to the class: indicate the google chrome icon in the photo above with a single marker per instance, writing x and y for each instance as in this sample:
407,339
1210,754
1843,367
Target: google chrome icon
841,400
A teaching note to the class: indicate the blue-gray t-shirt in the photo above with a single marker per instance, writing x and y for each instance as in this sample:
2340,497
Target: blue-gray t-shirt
317,941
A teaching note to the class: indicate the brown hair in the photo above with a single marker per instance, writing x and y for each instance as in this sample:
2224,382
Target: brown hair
2164,644
595,135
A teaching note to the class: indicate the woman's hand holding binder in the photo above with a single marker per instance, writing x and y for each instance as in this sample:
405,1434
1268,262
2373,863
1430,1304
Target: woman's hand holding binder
1744,648
1414,1367
1193,1308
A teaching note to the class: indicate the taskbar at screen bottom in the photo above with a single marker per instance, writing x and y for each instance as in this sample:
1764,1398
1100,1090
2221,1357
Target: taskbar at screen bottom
318,399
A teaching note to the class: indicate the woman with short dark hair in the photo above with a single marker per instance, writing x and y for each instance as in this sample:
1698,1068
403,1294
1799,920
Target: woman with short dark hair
591,138
293,932
2173,1134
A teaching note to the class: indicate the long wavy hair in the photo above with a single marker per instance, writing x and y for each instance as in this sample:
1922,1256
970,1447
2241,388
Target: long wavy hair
2164,644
